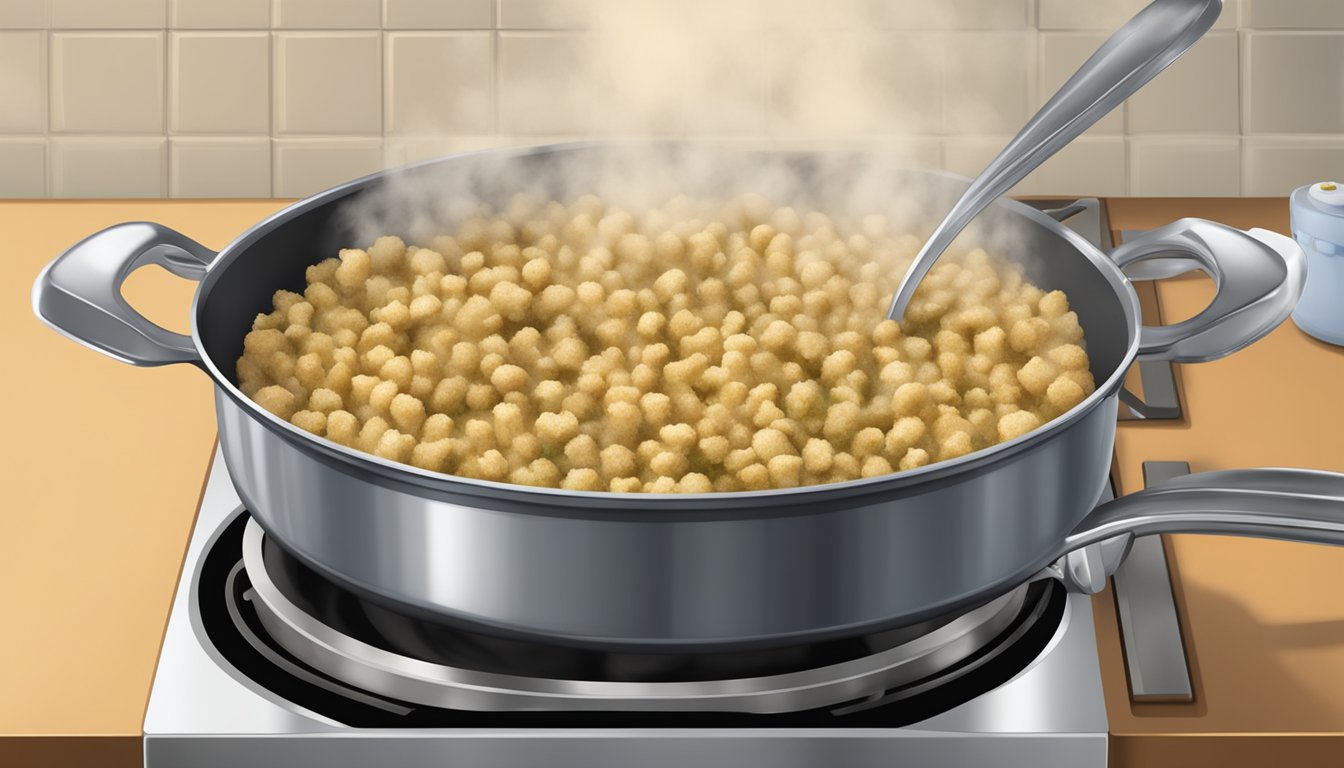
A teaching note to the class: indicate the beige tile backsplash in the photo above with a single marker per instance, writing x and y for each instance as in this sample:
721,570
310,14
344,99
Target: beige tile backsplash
1198,94
437,14
107,82
205,97
1293,14
327,14
108,14
302,166
217,14
538,92
24,14
23,82
1170,167
542,14
1275,63
259,98
328,83
993,70
1272,165
25,168
211,167
439,82
121,166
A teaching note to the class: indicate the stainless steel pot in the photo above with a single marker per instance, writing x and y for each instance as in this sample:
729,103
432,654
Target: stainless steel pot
717,570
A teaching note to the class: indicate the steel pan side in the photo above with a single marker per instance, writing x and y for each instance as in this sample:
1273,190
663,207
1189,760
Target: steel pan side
761,580
275,253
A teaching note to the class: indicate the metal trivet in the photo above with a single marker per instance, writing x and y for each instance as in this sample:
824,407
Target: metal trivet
408,660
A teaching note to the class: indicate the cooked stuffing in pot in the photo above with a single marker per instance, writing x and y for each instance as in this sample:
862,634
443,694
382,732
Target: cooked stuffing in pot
684,349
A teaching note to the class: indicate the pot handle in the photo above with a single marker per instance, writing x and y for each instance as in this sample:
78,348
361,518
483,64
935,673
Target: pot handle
1259,275
79,294
1293,504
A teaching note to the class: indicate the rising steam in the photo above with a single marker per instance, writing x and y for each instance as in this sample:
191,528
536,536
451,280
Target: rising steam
849,77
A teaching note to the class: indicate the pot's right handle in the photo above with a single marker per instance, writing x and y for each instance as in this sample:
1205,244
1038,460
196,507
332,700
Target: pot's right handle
1259,276
79,294
1293,504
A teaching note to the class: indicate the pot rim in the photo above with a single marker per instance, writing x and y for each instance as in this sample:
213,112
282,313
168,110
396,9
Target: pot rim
537,500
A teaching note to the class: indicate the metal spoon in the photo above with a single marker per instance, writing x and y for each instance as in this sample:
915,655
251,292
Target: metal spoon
1143,47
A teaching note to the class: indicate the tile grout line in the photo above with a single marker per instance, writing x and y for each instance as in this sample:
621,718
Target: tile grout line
272,75
496,43
1243,84
48,170
384,92
168,74
49,183
273,115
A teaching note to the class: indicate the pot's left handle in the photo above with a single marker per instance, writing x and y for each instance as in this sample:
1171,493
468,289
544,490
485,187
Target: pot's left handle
1259,276
79,294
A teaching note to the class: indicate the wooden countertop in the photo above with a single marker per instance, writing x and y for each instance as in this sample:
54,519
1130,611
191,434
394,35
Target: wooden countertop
1262,620
106,462
104,466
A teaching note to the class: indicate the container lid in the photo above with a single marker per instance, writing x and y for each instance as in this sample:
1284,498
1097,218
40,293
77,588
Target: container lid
1329,194
1318,215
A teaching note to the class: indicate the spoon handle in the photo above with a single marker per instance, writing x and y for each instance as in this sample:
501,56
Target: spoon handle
1135,54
